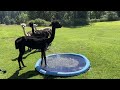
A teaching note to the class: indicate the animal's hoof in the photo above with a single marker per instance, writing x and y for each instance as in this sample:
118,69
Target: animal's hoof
24,66
20,68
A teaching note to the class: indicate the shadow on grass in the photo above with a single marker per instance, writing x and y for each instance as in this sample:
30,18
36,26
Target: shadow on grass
24,75
35,51
55,77
49,77
30,74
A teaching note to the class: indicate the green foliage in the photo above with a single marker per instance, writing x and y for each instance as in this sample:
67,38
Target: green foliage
96,16
40,22
80,22
6,20
94,20
13,21
22,18
112,16
67,18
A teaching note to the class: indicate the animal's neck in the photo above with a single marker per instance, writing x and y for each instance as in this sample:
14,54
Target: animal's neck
24,31
52,35
33,30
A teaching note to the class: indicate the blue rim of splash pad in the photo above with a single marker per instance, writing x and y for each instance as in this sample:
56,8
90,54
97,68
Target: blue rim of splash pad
57,73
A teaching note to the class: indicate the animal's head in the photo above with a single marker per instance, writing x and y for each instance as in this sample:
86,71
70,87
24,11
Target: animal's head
31,24
23,25
55,24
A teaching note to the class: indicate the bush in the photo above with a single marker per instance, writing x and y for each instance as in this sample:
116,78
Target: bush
80,22
21,18
67,22
94,20
12,21
33,21
39,22
112,16
75,22
6,20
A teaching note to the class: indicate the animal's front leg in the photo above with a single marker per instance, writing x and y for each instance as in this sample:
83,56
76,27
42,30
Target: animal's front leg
41,58
45,58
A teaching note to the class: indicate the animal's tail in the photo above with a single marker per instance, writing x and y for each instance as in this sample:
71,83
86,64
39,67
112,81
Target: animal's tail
18,42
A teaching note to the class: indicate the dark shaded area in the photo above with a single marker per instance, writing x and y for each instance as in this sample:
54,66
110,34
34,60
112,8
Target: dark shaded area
24,75
30,74
49,77
54,77
35,51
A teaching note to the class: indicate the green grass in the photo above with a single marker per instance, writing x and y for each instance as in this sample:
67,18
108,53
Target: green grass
99,42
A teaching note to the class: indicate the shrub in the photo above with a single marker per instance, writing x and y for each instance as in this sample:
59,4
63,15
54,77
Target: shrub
12,21
112,16
94,20
39,22
80,22
33,21
6,20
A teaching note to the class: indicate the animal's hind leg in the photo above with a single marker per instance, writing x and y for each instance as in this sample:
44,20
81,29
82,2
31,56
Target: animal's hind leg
21,52
19,59
23,64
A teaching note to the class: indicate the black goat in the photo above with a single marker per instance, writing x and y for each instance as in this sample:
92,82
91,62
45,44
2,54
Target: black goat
35,43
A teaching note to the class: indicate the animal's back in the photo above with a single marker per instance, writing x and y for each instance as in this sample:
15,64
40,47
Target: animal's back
18,42
36,43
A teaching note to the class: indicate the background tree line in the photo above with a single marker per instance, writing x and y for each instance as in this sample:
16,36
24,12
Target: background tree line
67,18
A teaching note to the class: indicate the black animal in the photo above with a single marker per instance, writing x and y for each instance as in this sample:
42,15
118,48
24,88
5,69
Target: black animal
35,43
43,33
23,25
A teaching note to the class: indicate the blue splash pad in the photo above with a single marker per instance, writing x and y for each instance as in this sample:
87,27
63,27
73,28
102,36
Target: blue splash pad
64,64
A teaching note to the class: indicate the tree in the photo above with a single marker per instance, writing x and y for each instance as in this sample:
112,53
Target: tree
80,18
6,20
22,18
118,13
112,16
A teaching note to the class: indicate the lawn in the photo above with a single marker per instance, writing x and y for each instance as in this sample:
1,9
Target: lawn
99,42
